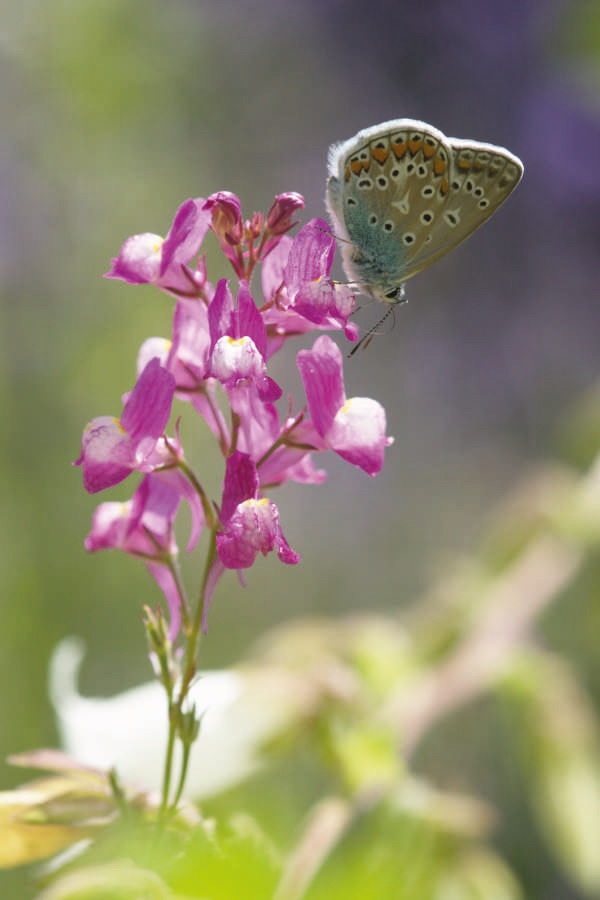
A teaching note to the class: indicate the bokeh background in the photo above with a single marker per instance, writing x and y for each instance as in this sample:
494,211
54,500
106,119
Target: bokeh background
113,113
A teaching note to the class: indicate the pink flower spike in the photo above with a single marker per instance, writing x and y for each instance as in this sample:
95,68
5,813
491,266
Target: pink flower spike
355,428
113,448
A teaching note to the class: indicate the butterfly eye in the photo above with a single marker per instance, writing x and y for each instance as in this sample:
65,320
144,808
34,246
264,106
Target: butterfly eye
394,294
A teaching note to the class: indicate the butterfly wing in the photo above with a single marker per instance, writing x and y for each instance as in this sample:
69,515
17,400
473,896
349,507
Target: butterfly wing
480,178
401,195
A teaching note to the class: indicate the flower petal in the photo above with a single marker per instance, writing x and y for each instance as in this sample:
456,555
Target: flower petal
358,434
321,370
148,407
241,483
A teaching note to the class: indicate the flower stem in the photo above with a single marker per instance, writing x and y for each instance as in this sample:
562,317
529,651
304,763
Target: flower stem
166,784
176,706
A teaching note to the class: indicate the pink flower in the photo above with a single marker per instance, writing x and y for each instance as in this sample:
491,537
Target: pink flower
300,293
144,527
187,358
281,450
279,220
226,223
139,259
112,448
189,350
355,428
311,292
279,217
217,359
239,342
153,347
148,259
249,525
253,528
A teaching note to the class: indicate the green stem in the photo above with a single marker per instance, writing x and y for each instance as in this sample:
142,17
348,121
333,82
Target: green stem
284,438
214,407
193,638
187,749
166,784
193,634
184,603
207,507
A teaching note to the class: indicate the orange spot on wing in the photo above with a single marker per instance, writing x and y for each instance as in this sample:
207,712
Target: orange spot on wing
439,166
380,154
464,164
415,146
399,148
444,187
359,165
428,150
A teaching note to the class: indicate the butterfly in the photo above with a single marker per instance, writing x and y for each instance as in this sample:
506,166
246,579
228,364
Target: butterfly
401,195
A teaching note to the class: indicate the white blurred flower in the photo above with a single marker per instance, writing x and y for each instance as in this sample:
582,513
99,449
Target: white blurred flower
129,731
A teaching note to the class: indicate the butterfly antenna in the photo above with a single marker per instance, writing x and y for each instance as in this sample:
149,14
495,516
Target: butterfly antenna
368,337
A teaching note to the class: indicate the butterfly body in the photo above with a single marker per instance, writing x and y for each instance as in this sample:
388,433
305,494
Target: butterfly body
402,194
